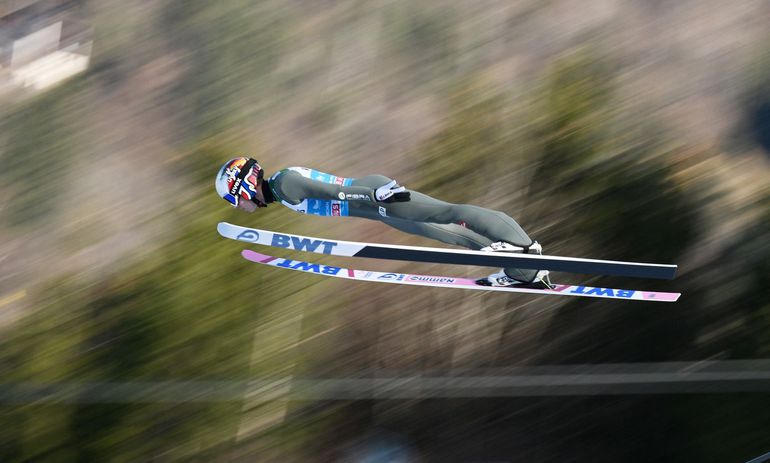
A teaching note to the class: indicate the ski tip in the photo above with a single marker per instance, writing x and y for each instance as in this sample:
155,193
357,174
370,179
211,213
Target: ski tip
249,254
674,270
253,256
222,227
663,272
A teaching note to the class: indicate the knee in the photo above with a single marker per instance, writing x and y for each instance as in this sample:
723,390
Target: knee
372,181
380,179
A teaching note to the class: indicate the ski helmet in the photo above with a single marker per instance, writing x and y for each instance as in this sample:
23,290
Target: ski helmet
239,179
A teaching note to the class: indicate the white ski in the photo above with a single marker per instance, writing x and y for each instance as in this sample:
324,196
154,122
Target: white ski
445,256
453,282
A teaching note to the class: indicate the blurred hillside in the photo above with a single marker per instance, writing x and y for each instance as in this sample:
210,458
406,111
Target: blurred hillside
618,129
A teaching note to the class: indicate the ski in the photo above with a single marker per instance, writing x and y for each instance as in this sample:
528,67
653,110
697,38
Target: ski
445,256
452,282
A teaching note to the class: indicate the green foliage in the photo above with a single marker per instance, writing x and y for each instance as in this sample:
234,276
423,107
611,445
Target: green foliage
232,50
172,320
422,40
189,313
573,124
755,103
747,264
623,212
43,140
613,172
475,145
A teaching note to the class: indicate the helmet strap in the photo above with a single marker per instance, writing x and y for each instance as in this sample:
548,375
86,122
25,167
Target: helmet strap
267,192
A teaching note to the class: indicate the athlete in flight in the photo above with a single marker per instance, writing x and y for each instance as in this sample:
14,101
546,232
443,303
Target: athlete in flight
241,182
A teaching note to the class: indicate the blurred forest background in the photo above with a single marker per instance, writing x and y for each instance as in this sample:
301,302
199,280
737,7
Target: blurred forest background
617,129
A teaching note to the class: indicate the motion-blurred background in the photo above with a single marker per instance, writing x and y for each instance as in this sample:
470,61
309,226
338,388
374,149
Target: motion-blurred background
618,129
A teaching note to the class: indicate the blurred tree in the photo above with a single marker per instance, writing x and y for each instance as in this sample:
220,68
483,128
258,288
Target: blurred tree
573,122
171,318
231,51
631,207
756,103
744,274
461,163
423,41
608,188
42,139
620,190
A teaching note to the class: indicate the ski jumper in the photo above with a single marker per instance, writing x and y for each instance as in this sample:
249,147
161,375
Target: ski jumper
312,192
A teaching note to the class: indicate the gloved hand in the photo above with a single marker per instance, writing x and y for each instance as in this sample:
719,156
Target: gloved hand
391,192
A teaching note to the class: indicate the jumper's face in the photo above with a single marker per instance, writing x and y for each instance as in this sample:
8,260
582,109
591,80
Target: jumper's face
257,201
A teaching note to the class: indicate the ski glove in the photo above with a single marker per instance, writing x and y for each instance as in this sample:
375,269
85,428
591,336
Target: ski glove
391,192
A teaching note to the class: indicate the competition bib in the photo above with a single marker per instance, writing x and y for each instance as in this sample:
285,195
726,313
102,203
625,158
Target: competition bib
323,207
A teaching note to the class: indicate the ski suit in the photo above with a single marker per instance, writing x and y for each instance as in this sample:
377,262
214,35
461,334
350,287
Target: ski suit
318,193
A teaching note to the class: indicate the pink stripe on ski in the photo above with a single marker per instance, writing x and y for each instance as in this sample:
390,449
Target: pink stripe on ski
559,288
652,296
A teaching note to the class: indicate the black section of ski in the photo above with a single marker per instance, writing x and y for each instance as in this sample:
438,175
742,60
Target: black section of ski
621,269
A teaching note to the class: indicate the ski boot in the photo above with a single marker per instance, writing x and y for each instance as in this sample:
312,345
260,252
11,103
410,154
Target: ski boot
501,279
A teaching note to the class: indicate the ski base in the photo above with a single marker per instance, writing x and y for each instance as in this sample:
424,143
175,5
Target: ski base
453,282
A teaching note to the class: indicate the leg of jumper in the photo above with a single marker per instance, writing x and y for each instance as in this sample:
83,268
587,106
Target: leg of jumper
450,233
435,219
